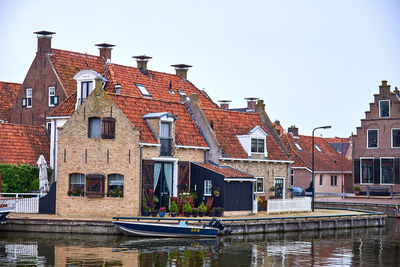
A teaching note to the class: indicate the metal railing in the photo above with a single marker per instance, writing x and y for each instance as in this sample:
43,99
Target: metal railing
166,146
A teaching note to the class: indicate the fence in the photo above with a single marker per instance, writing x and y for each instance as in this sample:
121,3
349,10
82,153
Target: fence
23,202
288,205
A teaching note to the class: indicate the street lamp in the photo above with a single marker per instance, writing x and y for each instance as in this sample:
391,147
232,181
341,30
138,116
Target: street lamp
312,165
341,140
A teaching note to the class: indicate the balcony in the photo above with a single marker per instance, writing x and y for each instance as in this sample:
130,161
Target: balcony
166,146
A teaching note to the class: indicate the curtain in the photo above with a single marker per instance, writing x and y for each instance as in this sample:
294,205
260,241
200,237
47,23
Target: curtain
157,171
168,176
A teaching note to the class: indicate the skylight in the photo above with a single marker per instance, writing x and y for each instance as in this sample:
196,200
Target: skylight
317,148
143,89
298,146
181,92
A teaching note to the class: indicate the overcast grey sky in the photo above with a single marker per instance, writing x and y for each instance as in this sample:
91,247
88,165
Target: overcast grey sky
312,62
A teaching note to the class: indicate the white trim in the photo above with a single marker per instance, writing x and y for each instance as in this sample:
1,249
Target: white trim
380,170
361,158
256,181
192,147
377,137
204,191
166,159
54,94
284,186
30,97
391,141
241,180
56,117
386,100
148,144
256,160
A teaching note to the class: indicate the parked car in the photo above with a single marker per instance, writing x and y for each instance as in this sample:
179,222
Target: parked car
297,191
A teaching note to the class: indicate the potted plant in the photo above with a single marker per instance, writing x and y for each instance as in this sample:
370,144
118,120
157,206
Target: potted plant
218,211
76,191
115,193
259,202
161,211
357,190
154,210
146,210
173,209
194,212
202,209
187,209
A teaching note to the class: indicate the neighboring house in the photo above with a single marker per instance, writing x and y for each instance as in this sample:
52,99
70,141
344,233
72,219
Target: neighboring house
342,144
329,165
247,141
8,94
376,151
22,144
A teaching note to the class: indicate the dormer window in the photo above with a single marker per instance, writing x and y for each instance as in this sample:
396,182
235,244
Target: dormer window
254,142
143,89
257,145
85,84
86,89
384,108
118,88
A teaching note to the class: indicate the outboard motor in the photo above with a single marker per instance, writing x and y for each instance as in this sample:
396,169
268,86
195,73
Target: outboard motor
215,223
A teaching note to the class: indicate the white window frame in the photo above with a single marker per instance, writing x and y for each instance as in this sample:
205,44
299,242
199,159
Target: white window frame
207,186
392,138
284,186
377,137
258,138
380,170
361,176
143,90
28,96
52,93
380,101
255,185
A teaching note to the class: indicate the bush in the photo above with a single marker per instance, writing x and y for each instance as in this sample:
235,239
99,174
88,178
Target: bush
19,178
356,188
202,207
187,208
173,208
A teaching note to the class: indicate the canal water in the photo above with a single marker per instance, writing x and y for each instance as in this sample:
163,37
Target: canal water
356,247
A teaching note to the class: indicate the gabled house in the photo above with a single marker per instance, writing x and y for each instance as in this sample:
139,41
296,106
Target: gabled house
376,145
8,94
331,169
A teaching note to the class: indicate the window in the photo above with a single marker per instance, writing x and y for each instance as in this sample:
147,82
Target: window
48,124
367,171
165,139
52,94
320,179
291,177
372,141
259,185
143,89
29,97
207,187
298,146
395,138
387,171
86,89
384,108
181,92
118,88
115,185
108,128
76,184
95,185
257,145
333,180
94,127
317,148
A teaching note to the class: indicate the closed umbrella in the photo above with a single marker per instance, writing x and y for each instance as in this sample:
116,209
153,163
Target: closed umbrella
43,182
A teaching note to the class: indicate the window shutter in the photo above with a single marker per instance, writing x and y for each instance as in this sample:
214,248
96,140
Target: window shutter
397,171
377,171
95,185
108,131
356,171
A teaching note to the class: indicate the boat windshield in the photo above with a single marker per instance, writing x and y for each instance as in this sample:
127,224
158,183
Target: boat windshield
182,224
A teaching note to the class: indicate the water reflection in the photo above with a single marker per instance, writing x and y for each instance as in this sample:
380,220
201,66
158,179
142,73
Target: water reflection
363,247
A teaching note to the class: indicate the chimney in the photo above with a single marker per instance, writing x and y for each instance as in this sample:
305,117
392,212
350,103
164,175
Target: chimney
44,41
142,62
293,130
181,70
105,51
384,89
224,104
251,104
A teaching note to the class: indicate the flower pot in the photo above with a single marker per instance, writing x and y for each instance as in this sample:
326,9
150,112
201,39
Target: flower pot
259,208
146,213
195,215
173,214
161,214
187,214
357,193
201,214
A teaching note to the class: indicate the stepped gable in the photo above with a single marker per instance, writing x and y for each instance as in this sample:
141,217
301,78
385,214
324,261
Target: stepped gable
327,160
134,108
8,94
23,143
226,171
228,124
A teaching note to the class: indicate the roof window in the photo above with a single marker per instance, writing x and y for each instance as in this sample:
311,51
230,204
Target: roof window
317,148
118,88
298,146
143,89
181,92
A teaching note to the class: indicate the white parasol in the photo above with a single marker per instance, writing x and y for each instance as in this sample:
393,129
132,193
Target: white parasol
43,182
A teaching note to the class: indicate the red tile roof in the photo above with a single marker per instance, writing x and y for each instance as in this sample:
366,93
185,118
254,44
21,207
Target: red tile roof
134,108
67,108
228,124
8,94
67,64
226,171
328,160
23,143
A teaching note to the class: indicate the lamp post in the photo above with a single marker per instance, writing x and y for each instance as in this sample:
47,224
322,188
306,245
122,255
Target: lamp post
341,140
312,165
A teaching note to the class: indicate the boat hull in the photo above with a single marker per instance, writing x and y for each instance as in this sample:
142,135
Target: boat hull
163,230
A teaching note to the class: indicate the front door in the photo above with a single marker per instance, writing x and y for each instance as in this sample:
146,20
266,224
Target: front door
163,183
279,187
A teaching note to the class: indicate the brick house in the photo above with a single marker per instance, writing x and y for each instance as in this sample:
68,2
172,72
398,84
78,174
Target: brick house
328,163
376,151
8,94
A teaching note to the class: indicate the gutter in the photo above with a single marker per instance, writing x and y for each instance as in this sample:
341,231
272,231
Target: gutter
257,160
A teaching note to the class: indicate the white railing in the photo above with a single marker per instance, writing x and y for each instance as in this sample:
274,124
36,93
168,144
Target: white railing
289,205
28,204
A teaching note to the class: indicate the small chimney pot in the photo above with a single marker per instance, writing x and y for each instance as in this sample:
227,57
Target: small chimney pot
181,70
224,104
293,130
251,104
105,51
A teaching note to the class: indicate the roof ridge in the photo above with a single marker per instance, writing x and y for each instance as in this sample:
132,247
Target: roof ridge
233,111
78,53
11,82
142,98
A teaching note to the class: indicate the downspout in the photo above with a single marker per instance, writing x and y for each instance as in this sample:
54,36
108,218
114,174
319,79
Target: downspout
288,178
140,181
54,151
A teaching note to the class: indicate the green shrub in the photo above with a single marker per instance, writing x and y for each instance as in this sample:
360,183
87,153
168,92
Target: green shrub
19,178
356,188
187,207
202,207
173,208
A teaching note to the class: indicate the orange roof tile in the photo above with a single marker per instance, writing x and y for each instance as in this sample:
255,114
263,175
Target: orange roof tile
8,94
226,171
67,108
23,143
228,124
